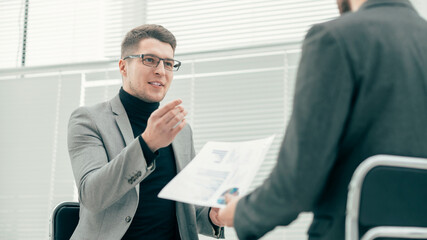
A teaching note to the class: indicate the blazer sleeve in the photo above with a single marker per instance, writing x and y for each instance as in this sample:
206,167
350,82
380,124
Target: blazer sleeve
322,101
101,181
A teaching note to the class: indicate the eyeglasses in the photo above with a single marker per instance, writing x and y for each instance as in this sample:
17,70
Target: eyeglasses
151,60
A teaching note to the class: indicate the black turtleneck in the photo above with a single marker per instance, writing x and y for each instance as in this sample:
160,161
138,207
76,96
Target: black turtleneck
155,218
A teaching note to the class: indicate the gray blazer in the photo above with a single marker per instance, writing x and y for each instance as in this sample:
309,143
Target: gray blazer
108,165
361,90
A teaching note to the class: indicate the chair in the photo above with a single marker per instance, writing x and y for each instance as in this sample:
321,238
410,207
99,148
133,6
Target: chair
388,199
64,220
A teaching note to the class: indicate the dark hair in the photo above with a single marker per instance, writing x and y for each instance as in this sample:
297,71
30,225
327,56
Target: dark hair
134,36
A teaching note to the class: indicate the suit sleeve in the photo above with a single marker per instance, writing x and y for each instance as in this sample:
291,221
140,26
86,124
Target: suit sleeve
100,181
321,105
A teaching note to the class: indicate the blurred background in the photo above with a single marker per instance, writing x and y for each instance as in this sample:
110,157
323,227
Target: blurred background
237,79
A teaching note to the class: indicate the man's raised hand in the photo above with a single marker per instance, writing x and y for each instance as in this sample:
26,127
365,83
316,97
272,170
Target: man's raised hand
164,124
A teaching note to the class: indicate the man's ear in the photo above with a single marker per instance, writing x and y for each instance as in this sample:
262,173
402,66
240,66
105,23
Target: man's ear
122,67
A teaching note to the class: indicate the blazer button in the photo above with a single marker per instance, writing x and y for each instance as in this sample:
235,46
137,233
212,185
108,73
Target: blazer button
128,218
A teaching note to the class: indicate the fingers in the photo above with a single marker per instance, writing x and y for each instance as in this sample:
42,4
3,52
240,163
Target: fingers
214,209
170,114
164,124
173,117
179,127
226,214
214,217
166,108
229,197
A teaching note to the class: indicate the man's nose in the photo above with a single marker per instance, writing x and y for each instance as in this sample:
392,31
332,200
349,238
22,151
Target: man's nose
160,69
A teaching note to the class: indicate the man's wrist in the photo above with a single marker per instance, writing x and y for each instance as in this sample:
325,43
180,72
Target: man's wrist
146,151
148,142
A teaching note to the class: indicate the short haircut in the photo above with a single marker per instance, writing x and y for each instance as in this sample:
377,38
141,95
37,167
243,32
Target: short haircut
134,36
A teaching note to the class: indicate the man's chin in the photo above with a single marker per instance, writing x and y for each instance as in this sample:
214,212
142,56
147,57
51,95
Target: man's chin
152,99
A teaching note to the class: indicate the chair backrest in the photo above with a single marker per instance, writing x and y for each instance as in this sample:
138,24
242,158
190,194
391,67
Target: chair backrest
388,196
64,220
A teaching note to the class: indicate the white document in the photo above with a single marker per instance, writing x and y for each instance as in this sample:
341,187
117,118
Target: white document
219,168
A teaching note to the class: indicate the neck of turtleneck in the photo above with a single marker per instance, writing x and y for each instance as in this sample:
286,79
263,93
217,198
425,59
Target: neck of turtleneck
137,110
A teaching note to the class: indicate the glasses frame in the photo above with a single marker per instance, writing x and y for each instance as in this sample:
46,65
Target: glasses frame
176,62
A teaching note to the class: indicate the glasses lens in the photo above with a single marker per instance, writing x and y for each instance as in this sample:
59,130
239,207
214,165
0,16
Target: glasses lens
151,61
169,64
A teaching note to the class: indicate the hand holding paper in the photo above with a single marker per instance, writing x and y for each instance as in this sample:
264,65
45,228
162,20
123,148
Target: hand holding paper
226,214
220,168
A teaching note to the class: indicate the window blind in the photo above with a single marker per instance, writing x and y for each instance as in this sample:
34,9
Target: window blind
11,27
35,173
61,31
213,25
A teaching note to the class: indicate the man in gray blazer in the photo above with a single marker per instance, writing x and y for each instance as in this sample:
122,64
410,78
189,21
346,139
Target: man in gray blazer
124,151
361,90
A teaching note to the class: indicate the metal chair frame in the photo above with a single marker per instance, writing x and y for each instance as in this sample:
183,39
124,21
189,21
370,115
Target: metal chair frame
354,196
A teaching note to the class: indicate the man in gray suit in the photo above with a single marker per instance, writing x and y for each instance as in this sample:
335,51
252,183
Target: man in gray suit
361,90
124,151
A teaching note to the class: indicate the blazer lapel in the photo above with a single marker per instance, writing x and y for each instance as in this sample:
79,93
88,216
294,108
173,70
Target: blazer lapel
181,146
123,123
177,149
122,120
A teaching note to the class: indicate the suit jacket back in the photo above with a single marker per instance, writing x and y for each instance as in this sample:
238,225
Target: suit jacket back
361,90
